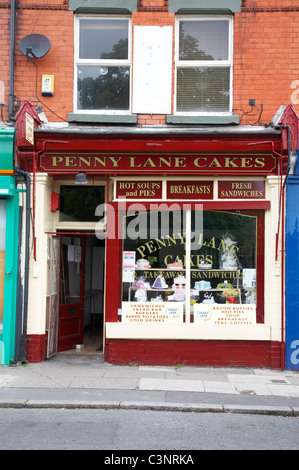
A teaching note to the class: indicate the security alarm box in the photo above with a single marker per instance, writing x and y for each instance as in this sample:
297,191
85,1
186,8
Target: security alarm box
47,85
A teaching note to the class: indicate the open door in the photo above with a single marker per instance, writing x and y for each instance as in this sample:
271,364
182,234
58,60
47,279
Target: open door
53,299
71,304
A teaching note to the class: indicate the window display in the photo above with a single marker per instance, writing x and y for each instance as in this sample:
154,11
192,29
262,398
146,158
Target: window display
217,266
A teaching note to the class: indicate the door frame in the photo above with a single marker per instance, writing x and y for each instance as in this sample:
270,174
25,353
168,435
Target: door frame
73,233
66,343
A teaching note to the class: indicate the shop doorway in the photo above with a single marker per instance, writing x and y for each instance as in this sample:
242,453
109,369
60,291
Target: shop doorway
80,324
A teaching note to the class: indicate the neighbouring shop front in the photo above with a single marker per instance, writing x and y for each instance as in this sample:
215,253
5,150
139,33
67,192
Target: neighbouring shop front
9,220
172,246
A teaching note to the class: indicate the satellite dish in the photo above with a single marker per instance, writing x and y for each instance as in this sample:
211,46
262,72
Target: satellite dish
35,46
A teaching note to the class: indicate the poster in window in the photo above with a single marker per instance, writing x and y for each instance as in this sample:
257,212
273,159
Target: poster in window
225,314
152,313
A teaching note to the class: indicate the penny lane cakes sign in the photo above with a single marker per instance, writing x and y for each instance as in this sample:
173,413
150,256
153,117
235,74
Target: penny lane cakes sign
157,163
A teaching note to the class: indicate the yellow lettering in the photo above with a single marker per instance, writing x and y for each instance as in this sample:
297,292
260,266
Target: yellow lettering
166,162
196,161
132,163
84,160
100,161
260,162
69,161
215,162
149,162
246,162
179,161
56,160
230,162
151,247
115,160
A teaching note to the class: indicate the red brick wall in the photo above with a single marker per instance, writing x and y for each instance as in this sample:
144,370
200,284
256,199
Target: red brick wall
266,57
266,54
56,22
194,353
4,59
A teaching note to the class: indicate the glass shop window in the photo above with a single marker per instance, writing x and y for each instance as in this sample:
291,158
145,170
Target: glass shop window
224,261
78,203
210,278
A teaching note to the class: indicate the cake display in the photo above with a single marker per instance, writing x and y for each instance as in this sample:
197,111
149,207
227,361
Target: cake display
157,299
160,283
141,290
202,285
204,264
224,285
208,299
228,257
175,265
179,288
141,284
142,264
230,295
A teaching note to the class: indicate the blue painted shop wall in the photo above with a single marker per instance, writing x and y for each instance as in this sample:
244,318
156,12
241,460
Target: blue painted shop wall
292,270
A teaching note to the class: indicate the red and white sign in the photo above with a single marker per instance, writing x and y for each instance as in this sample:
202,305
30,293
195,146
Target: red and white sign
241,189
139,189
225,314
136,163
136,313
190,190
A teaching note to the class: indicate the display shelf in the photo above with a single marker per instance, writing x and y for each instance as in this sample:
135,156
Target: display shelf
184,269
194,291
160,269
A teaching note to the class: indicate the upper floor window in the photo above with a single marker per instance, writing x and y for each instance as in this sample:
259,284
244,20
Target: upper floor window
204,65
103,64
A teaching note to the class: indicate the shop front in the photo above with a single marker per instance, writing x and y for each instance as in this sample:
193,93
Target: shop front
9,210
175,238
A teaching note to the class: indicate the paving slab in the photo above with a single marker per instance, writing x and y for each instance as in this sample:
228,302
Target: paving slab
257,378
250,388
219,387
171,384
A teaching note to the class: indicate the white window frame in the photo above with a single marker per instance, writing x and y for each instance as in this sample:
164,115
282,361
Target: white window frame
103,62
204,63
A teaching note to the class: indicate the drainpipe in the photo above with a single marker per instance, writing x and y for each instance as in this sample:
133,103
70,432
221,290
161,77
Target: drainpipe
26,278
11,66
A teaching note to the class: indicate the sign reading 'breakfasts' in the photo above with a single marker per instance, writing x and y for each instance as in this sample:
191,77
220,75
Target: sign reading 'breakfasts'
157,163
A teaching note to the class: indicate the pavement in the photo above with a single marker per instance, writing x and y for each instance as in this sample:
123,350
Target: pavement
86,381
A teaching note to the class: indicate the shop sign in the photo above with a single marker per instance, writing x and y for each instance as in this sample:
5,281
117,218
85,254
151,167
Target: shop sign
150,313
29,129
225,314
190,190
241,189
139,189
199,163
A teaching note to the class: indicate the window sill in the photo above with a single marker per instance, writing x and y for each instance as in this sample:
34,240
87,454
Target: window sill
209,120
103,118
203,6
103,6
